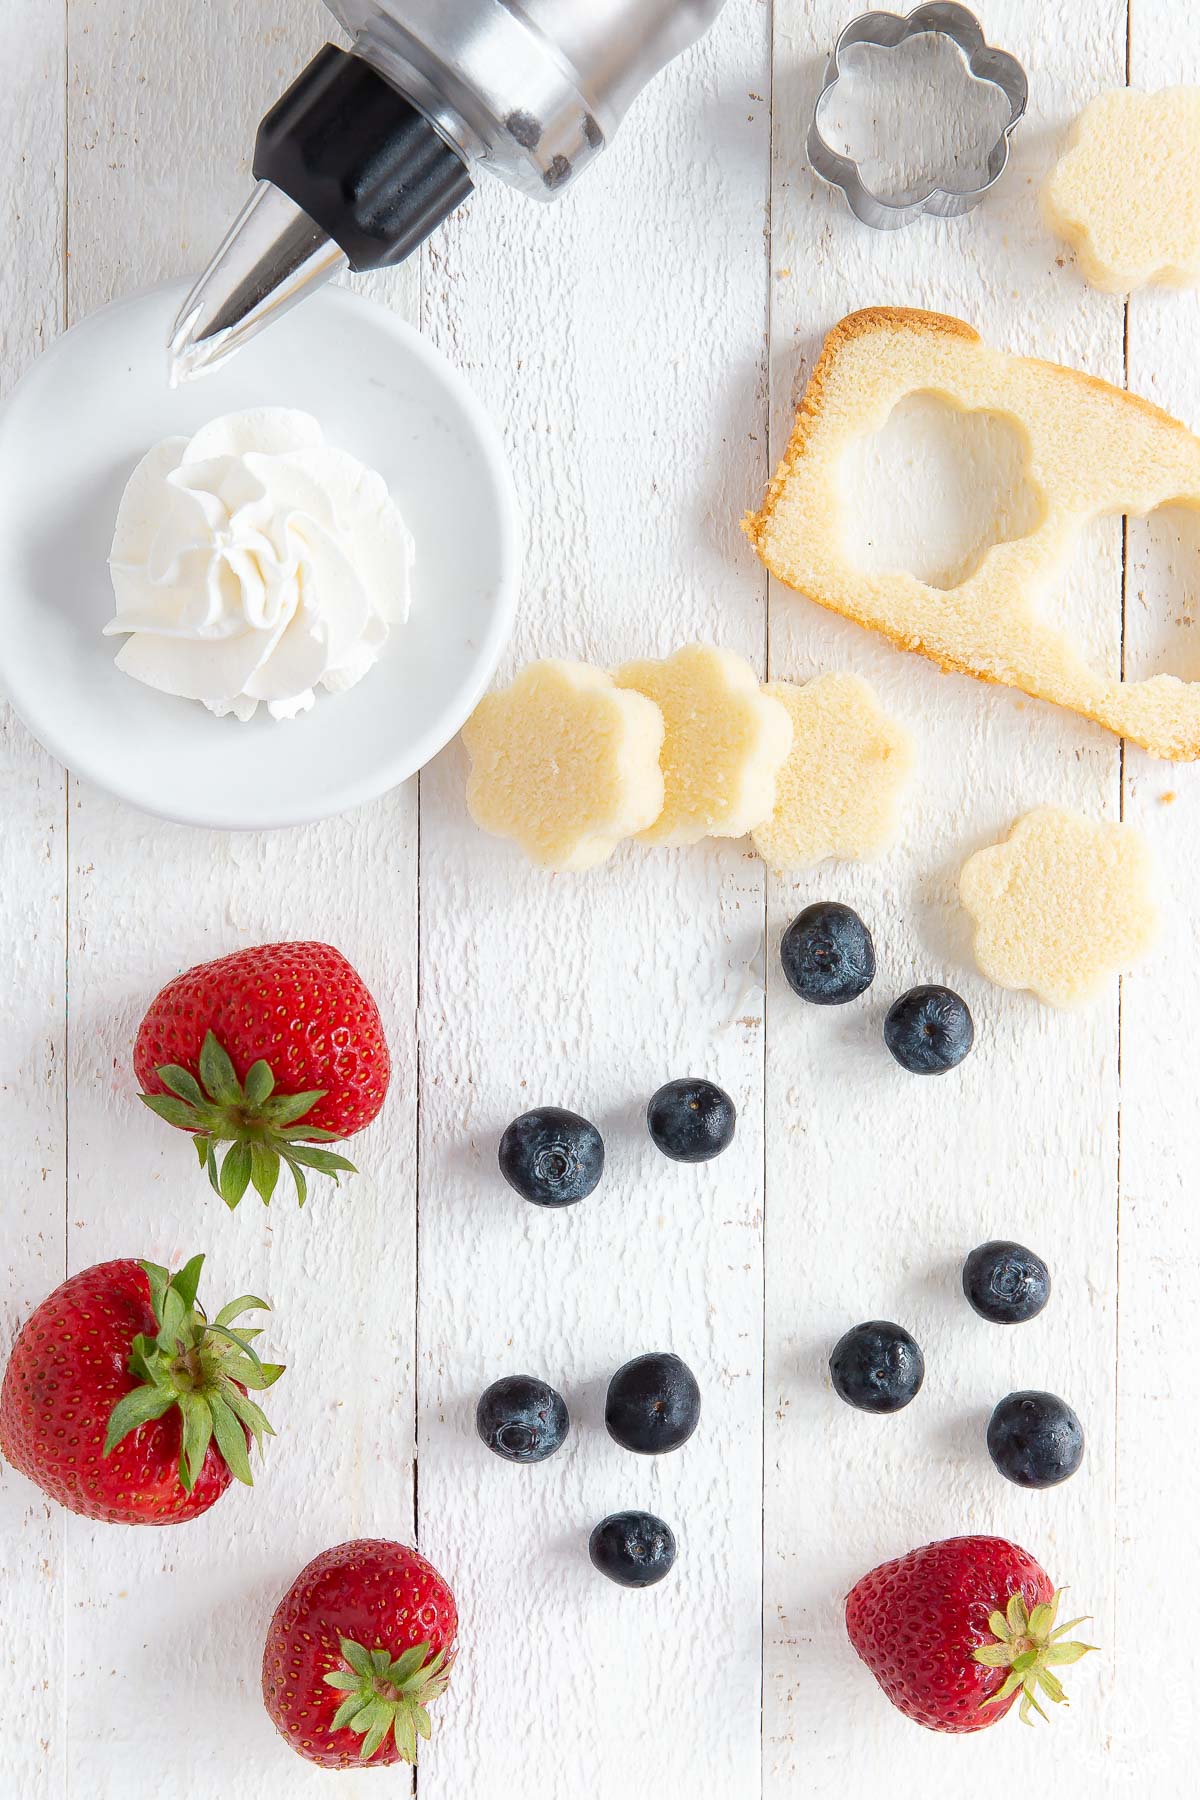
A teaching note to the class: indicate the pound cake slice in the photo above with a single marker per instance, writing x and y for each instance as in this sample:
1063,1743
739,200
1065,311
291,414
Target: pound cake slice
1061,905
1126,195
838,793
1093,449
565,763
724,747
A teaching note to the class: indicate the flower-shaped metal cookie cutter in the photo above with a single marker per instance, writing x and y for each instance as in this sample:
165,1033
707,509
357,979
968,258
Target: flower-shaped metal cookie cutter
886,31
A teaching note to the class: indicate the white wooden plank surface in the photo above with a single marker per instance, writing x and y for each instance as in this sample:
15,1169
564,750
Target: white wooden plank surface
620,341
1159,1563
33,855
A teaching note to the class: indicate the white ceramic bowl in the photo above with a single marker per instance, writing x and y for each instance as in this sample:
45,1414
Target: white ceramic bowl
70,436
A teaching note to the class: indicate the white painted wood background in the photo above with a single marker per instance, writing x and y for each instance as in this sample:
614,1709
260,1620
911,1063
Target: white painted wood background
641,345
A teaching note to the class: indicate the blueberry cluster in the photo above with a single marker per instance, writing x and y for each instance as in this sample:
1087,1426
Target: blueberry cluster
1034,1438
554,1158
828,957
652,1406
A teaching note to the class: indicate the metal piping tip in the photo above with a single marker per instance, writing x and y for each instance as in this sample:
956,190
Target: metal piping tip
273,255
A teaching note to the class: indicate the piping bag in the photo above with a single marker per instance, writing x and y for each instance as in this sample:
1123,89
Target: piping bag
372,148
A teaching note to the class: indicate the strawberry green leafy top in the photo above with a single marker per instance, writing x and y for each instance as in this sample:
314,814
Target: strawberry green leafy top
385,1696
1030,1647
202,1367
263,1129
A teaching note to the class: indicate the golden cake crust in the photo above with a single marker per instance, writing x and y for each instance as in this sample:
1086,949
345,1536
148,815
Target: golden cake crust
1094,449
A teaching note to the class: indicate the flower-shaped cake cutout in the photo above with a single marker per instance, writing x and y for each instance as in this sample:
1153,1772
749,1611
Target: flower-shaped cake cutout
565,763
1126,194
1063,903
726,742
838,793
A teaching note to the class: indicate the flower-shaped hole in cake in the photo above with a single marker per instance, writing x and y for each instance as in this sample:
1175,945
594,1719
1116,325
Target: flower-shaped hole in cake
933,490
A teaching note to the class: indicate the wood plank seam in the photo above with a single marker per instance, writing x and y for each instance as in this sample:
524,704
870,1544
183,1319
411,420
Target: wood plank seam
767,462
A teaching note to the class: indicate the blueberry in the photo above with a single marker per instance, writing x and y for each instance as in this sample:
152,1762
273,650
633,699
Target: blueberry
634,1549
522,1419
1005,1282
691,1120
929,1030
653,1403
1035,1439
552,1157
877,1367
827,954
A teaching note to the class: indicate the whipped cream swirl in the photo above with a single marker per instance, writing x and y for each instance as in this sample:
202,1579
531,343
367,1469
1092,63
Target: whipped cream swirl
255,563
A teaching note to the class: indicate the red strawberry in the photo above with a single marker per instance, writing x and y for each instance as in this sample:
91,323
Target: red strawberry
123,1403
273,1051
359,1645
954,1631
